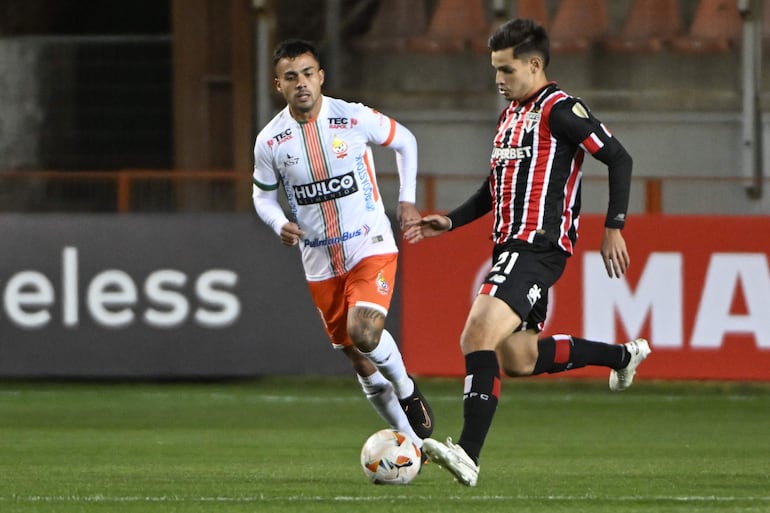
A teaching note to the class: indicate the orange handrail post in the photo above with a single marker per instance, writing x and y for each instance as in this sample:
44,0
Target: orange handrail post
653,196
124,191
430,193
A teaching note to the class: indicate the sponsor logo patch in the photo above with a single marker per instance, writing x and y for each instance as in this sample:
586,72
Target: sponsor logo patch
325,190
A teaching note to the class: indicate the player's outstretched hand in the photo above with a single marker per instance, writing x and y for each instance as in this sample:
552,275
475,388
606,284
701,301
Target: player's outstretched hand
614,253
429,226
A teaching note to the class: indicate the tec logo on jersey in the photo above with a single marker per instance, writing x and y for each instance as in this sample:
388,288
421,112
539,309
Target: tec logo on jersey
280,138
335,123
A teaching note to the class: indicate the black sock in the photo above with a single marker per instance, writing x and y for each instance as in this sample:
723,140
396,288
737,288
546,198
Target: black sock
480,395
563,352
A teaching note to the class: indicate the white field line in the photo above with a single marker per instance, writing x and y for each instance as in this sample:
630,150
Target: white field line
364,498
538,398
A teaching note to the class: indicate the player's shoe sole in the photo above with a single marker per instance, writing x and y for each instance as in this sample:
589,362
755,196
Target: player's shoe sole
621,379
418,412
453,458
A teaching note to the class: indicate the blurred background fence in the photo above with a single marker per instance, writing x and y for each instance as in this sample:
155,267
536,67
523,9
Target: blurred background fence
156,191
154,105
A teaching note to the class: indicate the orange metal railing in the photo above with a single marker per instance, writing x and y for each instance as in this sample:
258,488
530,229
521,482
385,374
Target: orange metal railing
228,190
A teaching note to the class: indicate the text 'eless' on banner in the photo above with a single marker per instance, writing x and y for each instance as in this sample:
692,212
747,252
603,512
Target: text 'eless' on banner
698,289
154,296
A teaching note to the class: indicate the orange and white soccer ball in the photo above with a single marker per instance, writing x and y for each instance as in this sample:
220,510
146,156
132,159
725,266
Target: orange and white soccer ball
390,457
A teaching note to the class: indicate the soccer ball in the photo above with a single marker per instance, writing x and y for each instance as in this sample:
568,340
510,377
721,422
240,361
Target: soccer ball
390,457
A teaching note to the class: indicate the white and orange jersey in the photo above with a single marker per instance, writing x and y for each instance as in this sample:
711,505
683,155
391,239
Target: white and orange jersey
326,168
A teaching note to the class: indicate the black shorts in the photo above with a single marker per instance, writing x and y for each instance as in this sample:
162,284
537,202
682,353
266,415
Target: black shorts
521,275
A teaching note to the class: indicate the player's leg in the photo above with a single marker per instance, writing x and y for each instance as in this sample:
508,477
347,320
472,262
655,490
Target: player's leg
560,353
329,298
380,394
523,354
489,320
521,274
369,290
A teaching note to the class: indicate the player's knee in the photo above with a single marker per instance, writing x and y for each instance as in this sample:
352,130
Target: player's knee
516,360
475,336
365,327
517,369
364,335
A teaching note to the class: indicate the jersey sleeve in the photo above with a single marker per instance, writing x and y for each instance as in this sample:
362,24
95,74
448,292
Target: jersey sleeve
265,188
573,121
386,131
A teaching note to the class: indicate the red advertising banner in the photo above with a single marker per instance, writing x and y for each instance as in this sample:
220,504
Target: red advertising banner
698,289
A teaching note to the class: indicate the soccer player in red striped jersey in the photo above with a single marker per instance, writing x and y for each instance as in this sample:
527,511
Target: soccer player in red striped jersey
534,191
319,149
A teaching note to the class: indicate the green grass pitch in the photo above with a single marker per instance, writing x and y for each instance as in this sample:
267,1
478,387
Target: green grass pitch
292,445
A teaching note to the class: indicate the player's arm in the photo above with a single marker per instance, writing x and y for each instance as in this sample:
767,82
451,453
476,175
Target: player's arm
433,225
270,211
403,142
265,197
614,251
572,120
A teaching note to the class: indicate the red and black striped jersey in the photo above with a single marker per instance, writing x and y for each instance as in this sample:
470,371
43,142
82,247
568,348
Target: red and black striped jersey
535,179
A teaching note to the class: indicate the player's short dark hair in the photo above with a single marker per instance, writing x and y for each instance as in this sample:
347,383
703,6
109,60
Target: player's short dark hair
523,37
291,48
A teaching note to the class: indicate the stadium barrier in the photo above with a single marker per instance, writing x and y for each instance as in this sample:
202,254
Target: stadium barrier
159,296
154,296
142,191
698,289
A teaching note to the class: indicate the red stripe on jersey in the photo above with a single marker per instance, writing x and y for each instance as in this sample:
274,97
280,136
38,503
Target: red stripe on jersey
535,176
570,196
540,176
506,184
320,171
496,387
592,144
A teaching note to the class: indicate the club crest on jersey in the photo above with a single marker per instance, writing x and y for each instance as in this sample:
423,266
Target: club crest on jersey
531,120
382,284
339,147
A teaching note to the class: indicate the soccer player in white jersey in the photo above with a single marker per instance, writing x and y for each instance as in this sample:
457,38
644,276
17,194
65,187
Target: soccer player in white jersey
318,148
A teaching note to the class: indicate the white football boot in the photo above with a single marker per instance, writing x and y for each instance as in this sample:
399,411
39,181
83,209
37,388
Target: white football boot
453,458
621,379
